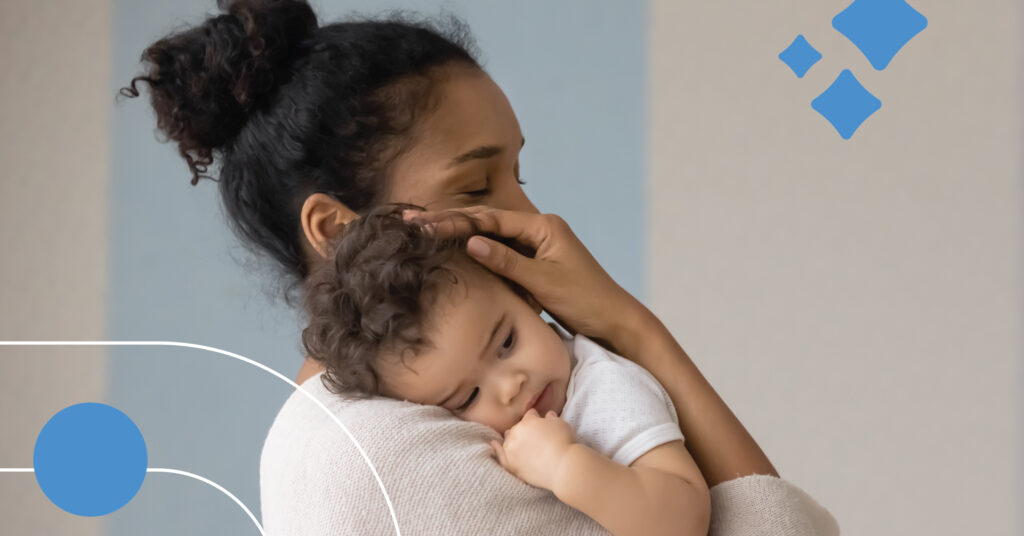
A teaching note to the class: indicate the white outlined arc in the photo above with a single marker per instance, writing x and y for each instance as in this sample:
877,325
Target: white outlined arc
207,481
215,485
242,358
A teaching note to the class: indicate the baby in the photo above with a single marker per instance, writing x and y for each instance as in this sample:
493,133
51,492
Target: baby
401,313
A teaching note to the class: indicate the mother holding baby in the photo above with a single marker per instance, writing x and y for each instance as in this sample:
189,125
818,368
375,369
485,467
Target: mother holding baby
313,126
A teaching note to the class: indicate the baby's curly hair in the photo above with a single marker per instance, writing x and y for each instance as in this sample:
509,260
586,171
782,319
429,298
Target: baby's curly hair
374,295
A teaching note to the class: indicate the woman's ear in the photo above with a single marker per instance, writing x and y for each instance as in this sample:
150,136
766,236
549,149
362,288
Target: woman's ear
323,219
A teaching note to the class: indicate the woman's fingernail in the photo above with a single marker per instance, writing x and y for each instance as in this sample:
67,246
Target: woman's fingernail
477,247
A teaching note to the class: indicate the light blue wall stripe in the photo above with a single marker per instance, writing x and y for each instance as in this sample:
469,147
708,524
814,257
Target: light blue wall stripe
575,73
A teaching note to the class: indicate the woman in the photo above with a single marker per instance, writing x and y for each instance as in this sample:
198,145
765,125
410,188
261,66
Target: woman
310,127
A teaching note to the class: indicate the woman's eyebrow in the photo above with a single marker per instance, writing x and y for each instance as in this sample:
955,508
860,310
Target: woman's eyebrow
479,153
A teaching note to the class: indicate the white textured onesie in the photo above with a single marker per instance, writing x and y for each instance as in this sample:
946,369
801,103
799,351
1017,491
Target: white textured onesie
616,407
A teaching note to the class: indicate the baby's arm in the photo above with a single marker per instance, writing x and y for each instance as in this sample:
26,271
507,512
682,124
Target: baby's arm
662,492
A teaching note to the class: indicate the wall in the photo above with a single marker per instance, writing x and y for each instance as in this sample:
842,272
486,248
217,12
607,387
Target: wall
54,149
857,302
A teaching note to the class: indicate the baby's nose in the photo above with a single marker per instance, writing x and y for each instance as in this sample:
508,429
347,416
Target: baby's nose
512,385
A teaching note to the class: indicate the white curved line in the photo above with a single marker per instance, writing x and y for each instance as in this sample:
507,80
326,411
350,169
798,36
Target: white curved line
172,471
287,380
214,484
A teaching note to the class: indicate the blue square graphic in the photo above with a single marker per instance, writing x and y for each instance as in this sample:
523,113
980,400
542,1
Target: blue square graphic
846,104
800,56
879,28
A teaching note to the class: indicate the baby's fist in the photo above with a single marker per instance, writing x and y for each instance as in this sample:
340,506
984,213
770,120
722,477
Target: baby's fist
534,447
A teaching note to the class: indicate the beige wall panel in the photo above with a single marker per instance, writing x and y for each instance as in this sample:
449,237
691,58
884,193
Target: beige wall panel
55,105
857,302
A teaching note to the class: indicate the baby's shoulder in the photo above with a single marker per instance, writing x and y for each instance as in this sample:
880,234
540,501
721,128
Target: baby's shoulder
597,365
596,359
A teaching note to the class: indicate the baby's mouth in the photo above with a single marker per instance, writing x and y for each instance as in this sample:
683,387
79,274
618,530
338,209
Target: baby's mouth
540,400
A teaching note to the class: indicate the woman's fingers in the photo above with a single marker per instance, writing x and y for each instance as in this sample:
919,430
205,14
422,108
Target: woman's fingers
524,227
500,259
557,269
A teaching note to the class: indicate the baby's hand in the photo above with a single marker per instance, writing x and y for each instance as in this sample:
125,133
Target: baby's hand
534,447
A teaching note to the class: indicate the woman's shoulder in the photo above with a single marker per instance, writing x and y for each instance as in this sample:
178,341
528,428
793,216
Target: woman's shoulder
313,419
437,470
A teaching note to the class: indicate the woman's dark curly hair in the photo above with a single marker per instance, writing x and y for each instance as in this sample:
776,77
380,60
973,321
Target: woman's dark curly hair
374,296
288,108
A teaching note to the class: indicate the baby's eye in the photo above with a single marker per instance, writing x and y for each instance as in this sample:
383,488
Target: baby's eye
510,341
468,401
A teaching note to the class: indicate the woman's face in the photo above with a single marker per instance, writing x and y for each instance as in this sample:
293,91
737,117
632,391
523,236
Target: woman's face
465,152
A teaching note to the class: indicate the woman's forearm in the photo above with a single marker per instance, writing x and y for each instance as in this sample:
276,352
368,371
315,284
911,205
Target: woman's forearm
717,440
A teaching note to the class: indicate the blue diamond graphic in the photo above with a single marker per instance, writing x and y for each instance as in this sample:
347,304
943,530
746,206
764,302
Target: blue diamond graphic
800,56
846,104
879,28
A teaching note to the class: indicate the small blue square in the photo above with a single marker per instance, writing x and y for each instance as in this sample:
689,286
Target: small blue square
800,56
879,28
846,104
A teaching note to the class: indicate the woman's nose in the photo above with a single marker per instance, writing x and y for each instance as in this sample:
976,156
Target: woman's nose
515,199
524,204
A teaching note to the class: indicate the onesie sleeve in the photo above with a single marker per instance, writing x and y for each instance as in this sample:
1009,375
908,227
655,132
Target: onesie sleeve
617,407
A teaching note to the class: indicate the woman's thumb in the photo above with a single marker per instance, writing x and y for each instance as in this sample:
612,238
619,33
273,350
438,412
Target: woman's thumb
496,256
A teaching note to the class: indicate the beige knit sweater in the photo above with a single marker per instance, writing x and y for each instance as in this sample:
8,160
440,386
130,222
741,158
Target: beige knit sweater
441,478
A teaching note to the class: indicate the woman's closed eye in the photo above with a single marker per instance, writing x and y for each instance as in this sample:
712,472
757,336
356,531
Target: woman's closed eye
486,190
483,191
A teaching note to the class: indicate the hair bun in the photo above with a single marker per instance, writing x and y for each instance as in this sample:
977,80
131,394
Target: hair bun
206,80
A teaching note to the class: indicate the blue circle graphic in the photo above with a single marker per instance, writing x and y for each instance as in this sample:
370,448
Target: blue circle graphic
90,459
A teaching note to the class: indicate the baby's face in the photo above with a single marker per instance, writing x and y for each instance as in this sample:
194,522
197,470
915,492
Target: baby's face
491,358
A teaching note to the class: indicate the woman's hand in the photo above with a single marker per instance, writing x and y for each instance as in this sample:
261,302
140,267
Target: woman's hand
578,293
562,275
534,448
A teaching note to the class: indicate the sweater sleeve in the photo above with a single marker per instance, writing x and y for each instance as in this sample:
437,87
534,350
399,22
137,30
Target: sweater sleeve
762,505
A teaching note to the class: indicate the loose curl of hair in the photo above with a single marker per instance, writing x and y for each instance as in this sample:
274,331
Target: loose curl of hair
373,297
286,108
